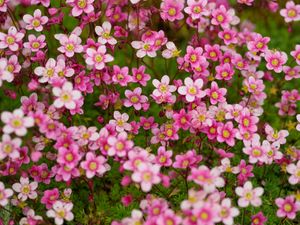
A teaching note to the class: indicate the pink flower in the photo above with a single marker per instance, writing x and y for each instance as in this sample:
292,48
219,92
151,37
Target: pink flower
146,174
5,194
223,17
69,44
162,87
291,12
295,53
120,121
182,119
50,197
192,89
16,122
121,76
275,60
3,5
171,10
227,212
229,36
119,145
294,170
9,147
171,50
248,195
168,217
36,21
193,55
98,58
208,179
11,39
258,44
81,6
226,133
212,52
291,73
66,96
46,73
163,157
276,136
25,189
135,99
35,43
288,207
256,150
216,94
187,160
94,165
258,219
246,2
45,3
247,121
5,75
144,48
61,211
196,9
206,213
104,34
139,75
224,72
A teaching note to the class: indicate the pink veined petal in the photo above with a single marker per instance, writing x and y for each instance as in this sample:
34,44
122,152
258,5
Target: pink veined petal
243,202
146,187
21,131
17,187
70,105
106,26
58,103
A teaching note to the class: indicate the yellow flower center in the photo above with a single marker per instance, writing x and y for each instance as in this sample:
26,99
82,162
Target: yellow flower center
215,95
69,157
26,189
275,62
16,122
192,90
70,47
7,148
226,133
81,4
35,45
172,11
36,23
220,18
292,13
10,40
98,58
287,207
93,166
134,99
197,9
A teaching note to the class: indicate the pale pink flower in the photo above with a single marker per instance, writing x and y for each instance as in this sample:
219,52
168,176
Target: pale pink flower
47,72
225,18
11,39
104,34
276,136
120,121
25,189
9,147
119,145
66,96
98,58
171,51
163,87
192,89
227,212
45,3
135,98
294,170
147,174
94,165
246,2
196,9
144,48
226,133
36,21
298,125
248,195
5,194
69,44
16,122
209,179
61,211
5,75
3,5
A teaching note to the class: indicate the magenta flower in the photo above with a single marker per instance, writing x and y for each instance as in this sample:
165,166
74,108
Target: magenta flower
36,21
192,89
50,197
288,207
16,122
258,219
224,72
216,94
275,60
226,133
172,10
139,75
94,165
97,58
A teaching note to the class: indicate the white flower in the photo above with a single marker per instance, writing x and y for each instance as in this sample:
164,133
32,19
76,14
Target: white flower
25,189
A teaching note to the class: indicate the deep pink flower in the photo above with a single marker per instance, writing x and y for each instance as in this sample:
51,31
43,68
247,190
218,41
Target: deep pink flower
288,207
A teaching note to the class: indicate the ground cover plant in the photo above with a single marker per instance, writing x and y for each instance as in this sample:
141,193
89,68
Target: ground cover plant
167,112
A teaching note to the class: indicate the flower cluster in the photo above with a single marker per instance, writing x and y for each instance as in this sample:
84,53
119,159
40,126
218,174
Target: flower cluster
149,112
